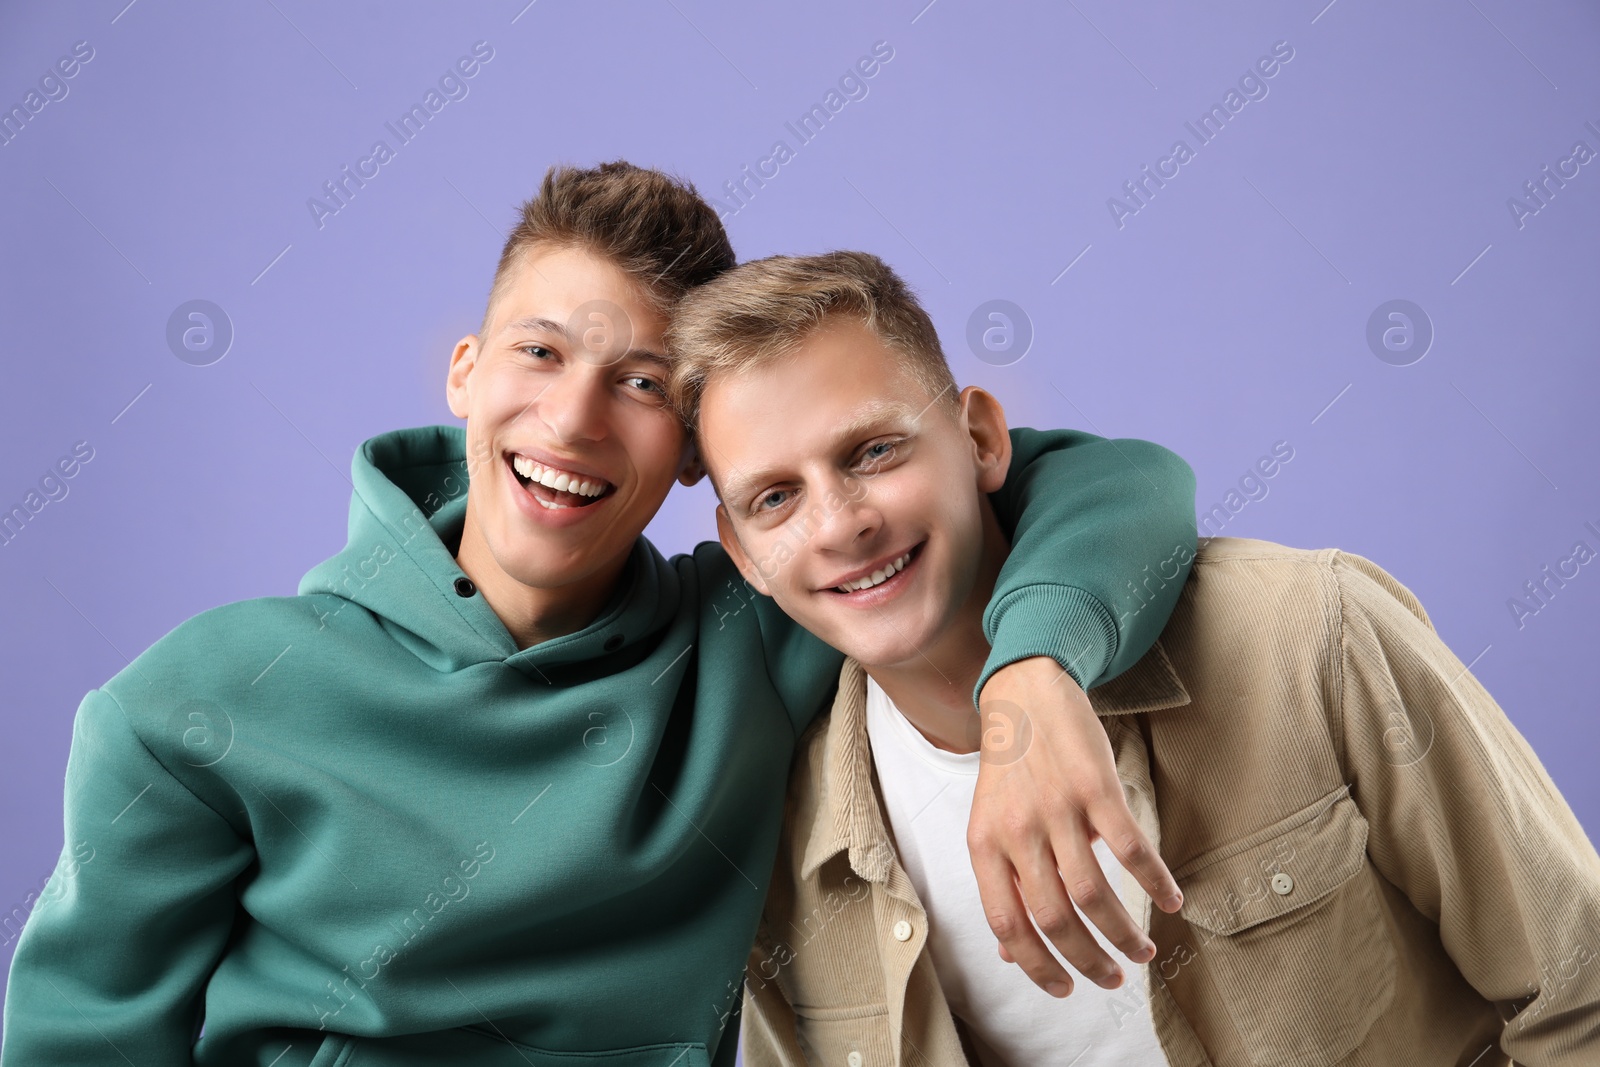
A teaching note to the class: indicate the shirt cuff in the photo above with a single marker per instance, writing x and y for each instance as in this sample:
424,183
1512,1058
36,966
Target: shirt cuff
1063,622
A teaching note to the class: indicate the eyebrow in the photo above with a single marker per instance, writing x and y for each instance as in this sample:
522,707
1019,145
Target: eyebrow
536,324
872,416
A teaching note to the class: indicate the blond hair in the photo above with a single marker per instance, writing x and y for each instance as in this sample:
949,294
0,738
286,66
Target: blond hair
764,309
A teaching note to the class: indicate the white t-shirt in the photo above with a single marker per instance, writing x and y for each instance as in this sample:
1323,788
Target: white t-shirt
928,795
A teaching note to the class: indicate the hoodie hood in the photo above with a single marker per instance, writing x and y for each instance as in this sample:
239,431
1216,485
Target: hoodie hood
407,511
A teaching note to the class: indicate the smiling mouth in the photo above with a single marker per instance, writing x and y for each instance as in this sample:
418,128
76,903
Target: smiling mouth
883,574
557,489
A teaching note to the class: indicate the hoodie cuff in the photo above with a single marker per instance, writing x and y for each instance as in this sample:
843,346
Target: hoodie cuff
1063,622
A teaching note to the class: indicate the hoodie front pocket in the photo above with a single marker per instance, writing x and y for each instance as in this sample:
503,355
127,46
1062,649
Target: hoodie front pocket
334,1051
1291,932
472,1046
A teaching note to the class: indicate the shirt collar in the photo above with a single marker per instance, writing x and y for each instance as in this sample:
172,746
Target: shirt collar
848,815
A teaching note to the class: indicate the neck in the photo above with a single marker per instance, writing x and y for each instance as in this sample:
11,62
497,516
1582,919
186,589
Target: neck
534,614
933,689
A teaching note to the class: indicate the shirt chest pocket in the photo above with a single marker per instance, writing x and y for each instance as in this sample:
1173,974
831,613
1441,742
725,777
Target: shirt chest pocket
1290,931
844,1037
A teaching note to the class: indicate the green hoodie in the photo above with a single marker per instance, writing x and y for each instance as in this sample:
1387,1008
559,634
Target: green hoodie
358,826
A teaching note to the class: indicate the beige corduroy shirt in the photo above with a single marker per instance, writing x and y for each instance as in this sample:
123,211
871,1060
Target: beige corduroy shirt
1376,868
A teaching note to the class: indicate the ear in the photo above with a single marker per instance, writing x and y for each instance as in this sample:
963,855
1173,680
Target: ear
462,360
730,544
984,421
692,469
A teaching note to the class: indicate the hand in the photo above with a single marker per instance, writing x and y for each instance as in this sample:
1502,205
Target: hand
1047,787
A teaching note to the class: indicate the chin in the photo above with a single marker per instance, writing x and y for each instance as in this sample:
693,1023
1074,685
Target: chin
551,566
886,649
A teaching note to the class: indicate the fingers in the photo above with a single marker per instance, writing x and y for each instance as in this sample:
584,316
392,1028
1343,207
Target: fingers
1086,884
1019,941
1058,920
1115,824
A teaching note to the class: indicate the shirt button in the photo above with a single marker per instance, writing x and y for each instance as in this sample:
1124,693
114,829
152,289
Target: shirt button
902,932
854,1059
1282,884
464,587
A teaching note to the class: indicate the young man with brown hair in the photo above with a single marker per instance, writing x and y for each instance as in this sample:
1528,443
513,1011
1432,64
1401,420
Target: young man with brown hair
502,785
1376,869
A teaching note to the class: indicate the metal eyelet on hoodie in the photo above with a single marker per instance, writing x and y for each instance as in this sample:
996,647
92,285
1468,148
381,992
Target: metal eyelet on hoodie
613,642
464,587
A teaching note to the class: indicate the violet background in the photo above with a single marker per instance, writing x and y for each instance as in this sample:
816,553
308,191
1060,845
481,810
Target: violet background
1228,314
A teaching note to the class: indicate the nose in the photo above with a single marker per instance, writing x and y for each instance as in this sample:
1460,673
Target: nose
575,405
844,514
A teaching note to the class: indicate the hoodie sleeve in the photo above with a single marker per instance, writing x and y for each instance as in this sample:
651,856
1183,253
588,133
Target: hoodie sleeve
1102,538
112,965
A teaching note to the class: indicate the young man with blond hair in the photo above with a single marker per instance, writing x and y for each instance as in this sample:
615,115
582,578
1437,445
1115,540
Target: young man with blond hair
502,785
1376,869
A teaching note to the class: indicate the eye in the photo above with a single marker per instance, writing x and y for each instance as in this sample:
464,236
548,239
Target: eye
646,390
538,352
774,499
874,455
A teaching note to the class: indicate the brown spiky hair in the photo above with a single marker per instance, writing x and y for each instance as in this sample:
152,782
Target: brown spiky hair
654,226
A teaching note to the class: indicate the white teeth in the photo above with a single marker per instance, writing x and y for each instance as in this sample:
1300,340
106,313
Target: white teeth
559,480
877,577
